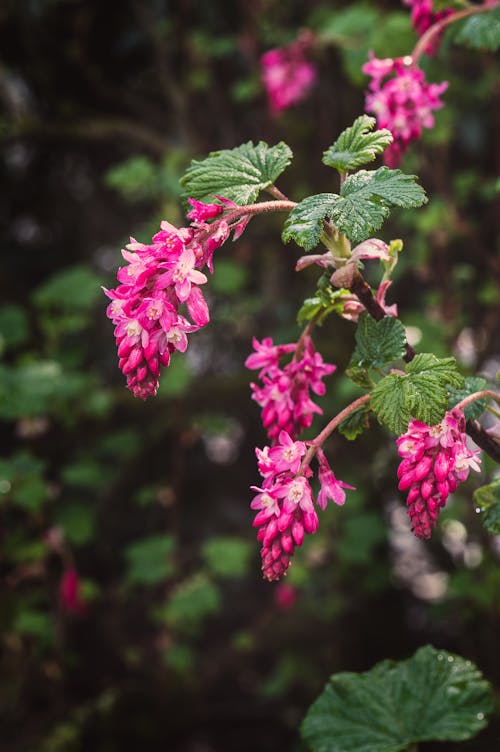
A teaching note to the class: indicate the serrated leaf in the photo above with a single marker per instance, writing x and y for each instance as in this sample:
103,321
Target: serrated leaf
355,423
357,145
304,224
472,384
482,31
421,392
378,342
367,197
237,174
487,499
359,376
434,695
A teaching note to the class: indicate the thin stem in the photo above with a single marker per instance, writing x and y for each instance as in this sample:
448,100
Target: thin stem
262,207
306,333
276,192
488,393
438,27
330,427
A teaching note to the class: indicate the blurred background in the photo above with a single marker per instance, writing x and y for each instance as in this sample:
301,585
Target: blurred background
133,614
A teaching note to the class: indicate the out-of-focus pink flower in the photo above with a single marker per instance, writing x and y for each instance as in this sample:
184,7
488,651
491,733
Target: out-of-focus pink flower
70,594
423,17
284,395
402,101
435,460
285,596
286,73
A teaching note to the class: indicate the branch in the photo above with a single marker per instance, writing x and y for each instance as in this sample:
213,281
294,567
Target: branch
483,439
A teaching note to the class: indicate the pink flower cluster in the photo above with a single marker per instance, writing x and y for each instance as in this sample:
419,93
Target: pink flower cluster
158,279
70,593
286,74
284,503
423,17
435,460
402,101
284,395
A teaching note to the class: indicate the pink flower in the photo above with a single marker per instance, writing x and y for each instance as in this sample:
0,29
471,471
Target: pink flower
435,459
158,279
403,103
284,505
286,74
330,487
284,395
422,18
70,593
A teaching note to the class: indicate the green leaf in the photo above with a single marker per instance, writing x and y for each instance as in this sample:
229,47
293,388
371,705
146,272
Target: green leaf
327,300
434,695
230,278
78,523
150,560
357,145
304,224
367,197
481,31
421,392
378,342
228,557
191,602
365,201
471,384
355,423
237,174
14,326
359,376
77,287
488,500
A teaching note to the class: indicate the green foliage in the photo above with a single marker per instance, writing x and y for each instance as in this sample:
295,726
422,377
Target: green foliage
14,327
230,277
361,534
22,482
364,203
150,560
77,287
471,384
421,392
326,300
355,423
378,342
480,32
35,388
135,179
191,602
78,523
357,145
228,557
367,197
434,695
237,174
487,499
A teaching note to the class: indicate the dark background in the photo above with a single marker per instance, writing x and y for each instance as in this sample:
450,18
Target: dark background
181,645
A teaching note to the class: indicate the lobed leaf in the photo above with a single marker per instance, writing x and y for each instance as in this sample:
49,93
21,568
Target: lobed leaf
488,500
357,145
471,384
481,31
434,695
237,174
378,342
304,224
421,392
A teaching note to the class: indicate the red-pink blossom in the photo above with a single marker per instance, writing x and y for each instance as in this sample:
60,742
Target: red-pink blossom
435,460
284,394
158,279
70,593
402,101
284,503
287,75
423,17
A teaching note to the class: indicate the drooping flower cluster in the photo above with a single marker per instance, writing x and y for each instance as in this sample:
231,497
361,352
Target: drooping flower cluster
401,100
286,73
159,278
435,460
423,17
284,393
284,502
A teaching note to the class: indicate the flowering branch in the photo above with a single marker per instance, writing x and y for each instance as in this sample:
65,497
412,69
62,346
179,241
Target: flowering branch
440,25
